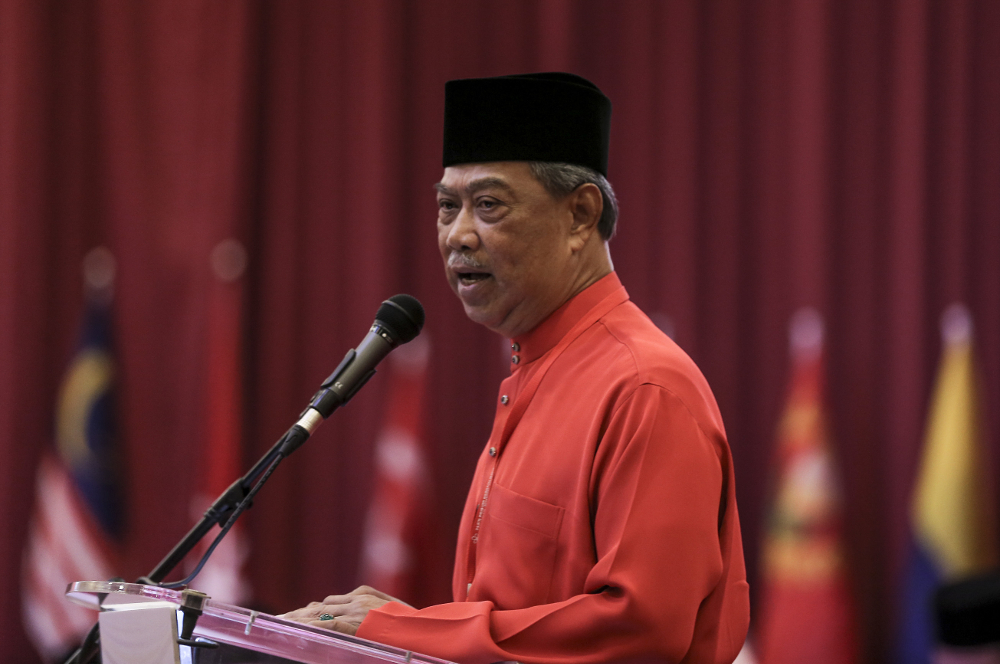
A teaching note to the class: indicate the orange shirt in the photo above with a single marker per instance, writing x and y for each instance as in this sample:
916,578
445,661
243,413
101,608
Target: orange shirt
601,524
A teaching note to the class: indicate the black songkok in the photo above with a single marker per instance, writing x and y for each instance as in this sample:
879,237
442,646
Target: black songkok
529,117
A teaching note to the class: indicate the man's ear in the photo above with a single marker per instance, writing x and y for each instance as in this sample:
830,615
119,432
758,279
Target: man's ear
586,204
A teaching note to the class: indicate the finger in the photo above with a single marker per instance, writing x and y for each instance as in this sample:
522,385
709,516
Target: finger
368,590
336,625
308,607
307,613
300,615
360,590
338,599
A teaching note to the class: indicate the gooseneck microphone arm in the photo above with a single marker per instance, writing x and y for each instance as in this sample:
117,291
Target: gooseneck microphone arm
398,321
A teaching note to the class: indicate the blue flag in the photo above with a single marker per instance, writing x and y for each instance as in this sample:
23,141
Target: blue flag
952,533
77,518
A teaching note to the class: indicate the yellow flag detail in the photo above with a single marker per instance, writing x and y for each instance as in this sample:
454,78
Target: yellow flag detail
87,379
950,513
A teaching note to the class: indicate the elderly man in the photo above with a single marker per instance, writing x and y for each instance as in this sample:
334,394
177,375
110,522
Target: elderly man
601,524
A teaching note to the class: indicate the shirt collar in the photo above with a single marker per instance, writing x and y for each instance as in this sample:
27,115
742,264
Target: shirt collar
530,346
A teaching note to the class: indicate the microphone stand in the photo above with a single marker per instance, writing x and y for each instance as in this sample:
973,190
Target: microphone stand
227,506
398,320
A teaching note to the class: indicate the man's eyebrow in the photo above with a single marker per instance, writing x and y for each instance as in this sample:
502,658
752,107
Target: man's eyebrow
475,185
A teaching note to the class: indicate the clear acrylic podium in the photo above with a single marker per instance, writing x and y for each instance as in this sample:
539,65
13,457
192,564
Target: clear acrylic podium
141,625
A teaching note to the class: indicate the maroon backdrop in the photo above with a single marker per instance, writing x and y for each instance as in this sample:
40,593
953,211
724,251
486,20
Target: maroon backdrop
768,155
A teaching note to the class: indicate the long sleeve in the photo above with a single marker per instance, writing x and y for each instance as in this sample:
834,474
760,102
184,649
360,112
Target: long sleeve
665,578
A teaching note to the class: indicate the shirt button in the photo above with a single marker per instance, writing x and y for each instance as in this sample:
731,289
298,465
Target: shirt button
515,346
515,359
504,399
493,451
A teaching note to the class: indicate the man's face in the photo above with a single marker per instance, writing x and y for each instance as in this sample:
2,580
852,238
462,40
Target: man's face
505,242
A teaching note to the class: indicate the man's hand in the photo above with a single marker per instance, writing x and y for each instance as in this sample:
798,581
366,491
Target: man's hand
346,611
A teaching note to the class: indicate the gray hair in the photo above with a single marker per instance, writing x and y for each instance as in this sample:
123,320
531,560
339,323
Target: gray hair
561,180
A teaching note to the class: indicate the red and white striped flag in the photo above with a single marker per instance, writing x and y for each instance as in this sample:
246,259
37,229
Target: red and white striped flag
77,516
223,577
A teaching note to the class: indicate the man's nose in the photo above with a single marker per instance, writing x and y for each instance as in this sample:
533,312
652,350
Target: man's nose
462,233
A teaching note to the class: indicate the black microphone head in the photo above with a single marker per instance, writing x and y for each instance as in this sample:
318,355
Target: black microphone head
402,316
968,611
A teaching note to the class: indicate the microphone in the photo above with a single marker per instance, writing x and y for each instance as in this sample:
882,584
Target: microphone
968,611
398,321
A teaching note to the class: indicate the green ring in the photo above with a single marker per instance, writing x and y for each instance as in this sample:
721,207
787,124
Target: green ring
326,616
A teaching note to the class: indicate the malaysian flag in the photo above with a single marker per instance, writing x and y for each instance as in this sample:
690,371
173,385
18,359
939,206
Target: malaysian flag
77,516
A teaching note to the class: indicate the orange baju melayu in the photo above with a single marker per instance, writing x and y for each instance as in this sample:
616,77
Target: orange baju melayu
601,524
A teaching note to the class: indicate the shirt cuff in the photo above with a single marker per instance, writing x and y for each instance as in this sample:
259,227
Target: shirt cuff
375,626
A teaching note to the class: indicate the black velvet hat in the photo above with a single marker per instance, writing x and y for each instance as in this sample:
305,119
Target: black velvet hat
529,117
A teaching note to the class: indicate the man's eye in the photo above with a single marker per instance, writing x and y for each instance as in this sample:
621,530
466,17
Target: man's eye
488,204
446,205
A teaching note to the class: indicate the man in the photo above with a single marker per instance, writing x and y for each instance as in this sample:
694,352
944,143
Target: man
601,524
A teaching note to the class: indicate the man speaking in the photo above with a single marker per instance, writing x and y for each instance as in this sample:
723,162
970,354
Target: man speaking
601,524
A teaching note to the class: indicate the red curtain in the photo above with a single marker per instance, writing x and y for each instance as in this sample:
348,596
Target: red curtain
768,155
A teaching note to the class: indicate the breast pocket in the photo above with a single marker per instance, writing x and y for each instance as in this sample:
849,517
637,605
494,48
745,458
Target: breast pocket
517,549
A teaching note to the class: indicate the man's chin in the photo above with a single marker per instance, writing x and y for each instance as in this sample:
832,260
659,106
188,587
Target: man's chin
477,314
483,315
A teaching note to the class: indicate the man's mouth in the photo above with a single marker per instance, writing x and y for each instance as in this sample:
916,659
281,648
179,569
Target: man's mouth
469,278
